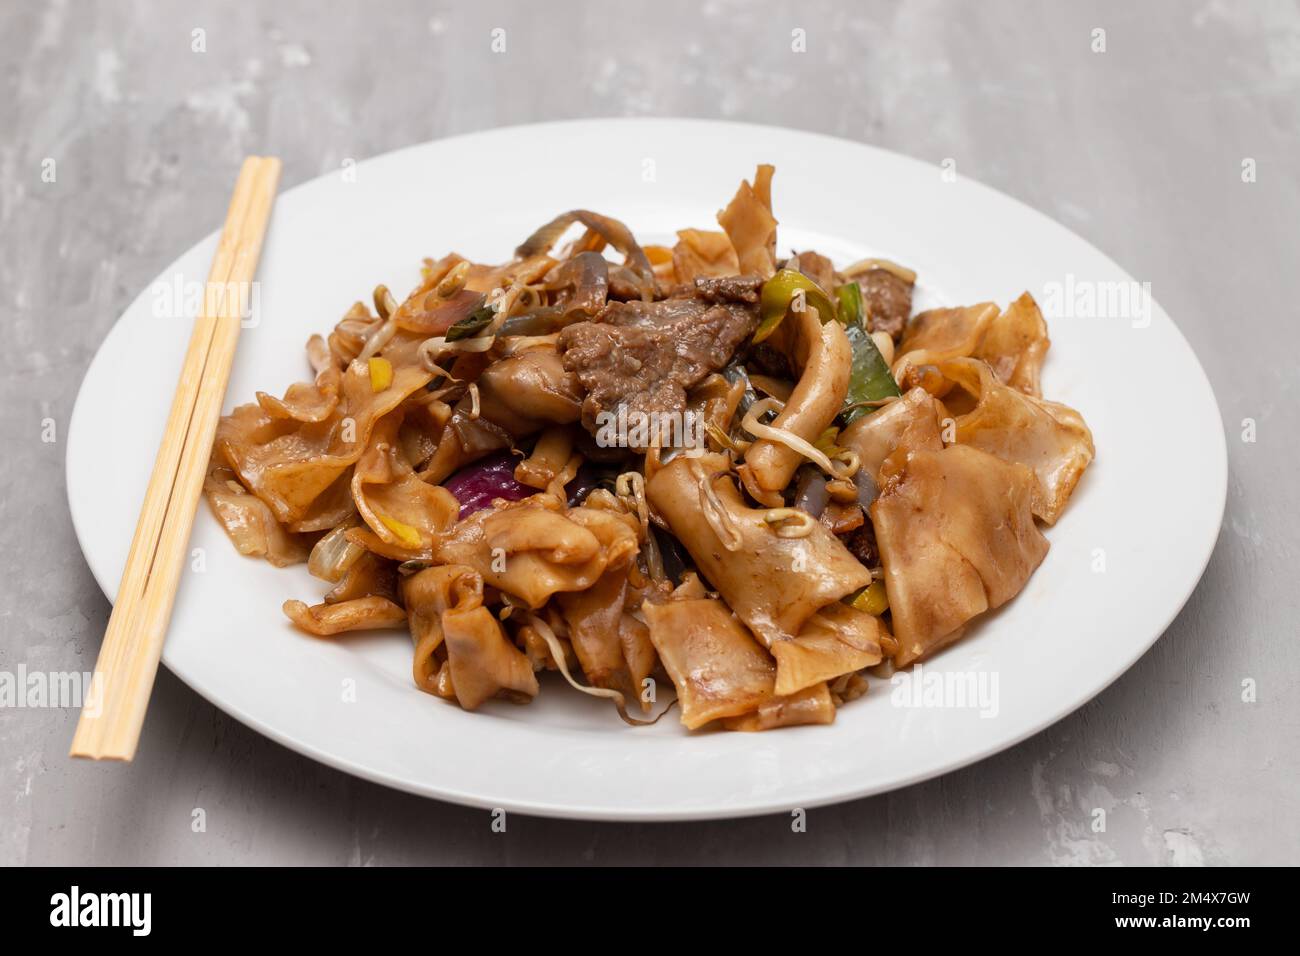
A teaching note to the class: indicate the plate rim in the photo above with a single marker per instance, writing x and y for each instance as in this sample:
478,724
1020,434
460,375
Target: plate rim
762,805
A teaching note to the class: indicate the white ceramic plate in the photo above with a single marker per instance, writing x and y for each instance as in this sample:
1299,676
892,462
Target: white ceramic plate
1123,559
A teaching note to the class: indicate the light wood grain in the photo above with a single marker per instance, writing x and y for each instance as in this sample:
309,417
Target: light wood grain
1137,149
112,718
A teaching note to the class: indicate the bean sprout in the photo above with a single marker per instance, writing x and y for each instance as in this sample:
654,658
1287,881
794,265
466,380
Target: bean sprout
893,268
796,444
385,304
714,512
557,653
454,280
630,486
777,518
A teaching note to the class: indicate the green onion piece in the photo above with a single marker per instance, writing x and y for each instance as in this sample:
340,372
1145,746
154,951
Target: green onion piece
779,294
869,375
473,323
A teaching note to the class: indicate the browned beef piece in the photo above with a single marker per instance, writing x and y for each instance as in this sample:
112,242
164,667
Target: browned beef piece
623,284
743,289
645,355
862,545
816,267
652,315
888,301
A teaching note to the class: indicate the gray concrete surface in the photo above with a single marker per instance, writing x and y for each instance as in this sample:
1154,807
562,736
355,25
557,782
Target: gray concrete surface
1138,148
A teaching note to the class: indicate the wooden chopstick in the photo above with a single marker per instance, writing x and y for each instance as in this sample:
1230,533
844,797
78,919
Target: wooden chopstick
113,712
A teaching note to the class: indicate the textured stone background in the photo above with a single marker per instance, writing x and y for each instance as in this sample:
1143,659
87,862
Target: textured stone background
1139,149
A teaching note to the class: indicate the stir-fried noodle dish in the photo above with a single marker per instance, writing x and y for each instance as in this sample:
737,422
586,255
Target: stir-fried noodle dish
761,481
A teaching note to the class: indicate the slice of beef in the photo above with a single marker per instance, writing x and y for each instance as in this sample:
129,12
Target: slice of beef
862,545
652,315
742,289
624,284
645,355
816,267
888,301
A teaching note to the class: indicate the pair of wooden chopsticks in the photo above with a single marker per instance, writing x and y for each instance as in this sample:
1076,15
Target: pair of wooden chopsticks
114,707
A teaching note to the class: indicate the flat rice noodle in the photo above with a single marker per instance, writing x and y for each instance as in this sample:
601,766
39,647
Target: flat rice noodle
248,521
481,661
538,651
368,576
547,459
749,224
535,548
812,571
306,403
290,464
957,537
517,396
524,392
465,439
362,614
594,618
942,334
914,421
703,253
350,333
838,639
718,668
399,508
1015,344
611,230
823,354
428,594
1050,439
417,438
582,284
332,508
639,654
812,705
611,645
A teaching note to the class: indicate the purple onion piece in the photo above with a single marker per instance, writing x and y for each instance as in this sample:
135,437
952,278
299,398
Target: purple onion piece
868,491
476,486
810,493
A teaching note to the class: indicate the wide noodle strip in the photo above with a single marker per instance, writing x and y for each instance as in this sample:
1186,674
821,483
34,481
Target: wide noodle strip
717,476
1050,439
956,536
740,551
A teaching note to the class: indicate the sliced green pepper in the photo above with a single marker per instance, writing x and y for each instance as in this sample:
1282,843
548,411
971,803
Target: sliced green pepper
779,294
869,375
